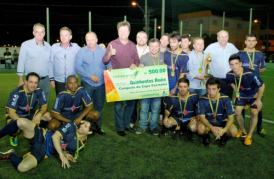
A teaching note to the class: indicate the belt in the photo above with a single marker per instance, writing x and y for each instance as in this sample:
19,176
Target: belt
43,77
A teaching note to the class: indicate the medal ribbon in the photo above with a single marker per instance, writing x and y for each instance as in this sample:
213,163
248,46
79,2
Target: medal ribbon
184,105
239,84
29,104
78,149
216,108
153,60
200,61
253,56
175,59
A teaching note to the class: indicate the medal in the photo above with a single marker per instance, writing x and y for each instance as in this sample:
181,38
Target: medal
208,70
172,73
237,94
215,119
202,83
214,112
251,62
238,85
201,62
252,68
200,70
209,59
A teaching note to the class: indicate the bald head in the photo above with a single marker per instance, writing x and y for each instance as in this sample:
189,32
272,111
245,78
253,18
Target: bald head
91,40
222,37
141,38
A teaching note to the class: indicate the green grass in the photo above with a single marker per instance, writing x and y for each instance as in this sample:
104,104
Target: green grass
147,156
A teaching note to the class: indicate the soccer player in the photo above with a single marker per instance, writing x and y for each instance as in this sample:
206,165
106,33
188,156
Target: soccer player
68,103
185,43
164,41
254,59
23,102
176,60
68,139
249,89
180,115
216,114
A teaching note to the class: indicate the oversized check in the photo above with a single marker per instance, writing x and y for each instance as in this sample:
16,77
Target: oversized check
147,82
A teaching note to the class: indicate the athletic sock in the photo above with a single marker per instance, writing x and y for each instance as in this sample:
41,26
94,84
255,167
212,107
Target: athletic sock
15,160
10,128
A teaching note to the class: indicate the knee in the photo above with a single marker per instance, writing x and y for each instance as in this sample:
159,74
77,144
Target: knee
21,122
46,117
233,131
22,167
201,129
254,112
54,124
238,112
192,127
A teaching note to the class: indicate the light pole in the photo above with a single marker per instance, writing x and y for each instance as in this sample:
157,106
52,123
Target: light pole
145,14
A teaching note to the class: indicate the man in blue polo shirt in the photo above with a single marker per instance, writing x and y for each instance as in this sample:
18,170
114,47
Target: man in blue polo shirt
249,89
253,59
89,64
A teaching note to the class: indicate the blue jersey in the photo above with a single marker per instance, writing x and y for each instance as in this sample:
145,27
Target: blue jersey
68,104
224,110
250,84
172,104
68,141
179,67
259,62
19,102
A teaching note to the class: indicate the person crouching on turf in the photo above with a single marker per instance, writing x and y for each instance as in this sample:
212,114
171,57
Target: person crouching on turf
66,140
180,113
23,102
216,114
68,103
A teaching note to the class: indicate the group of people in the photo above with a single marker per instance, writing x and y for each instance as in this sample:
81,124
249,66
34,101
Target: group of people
201,84
9,58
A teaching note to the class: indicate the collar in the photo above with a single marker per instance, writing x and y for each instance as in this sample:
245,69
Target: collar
37,43
70,44
253,50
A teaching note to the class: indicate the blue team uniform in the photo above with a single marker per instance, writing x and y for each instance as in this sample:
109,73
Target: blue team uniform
42,145
172,104
259,62
179,67
18,102
250,84
224,110
68,105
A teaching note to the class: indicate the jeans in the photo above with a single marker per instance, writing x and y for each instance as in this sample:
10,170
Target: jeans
44,84
97,95
155,104
8,65
122,119
59,86
199,92
134,115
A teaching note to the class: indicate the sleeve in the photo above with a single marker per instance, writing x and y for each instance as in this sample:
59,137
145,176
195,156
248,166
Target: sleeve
201,107
257,79
165,58
105,60
51,62
169,104
58,104
42,97
22,60
85,97
13,101
109,64
66,129
229,79
229,107
262,61
192,73
79,63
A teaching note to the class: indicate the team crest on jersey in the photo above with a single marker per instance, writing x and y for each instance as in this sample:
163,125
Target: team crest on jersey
73,108
242,88
64,146
27,108
185,112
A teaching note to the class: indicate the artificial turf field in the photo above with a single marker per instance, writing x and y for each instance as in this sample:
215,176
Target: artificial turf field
147,156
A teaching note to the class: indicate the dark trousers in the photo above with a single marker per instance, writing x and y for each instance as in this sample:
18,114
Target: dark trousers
58,87
226,88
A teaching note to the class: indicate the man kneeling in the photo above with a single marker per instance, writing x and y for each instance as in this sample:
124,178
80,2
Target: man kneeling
216,114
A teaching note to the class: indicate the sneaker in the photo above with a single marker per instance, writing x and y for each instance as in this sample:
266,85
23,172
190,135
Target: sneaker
101,132
140,130
248,140
13,141
6,155
155,131
223,141
241,134
130,129
206,140
262,132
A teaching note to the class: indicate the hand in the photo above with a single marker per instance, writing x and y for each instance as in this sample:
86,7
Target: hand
110,68
173,91
193,121
52,84
65,162
221,132
132,66
36,119
77,120
258,103
141,65
215,131
70,158
95,79
112,51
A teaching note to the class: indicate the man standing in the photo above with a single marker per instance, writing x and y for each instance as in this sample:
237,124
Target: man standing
8,58
254,59
176,61
249,90
34,56
152,58
23,102
15,58
90,66
122,53
216,114
62,60
164,43
185,43
220,52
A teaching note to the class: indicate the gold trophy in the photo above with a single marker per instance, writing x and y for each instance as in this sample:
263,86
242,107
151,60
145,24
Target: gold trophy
207,66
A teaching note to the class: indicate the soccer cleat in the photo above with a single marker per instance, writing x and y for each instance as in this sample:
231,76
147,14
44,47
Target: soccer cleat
241,134
189,135
206,140
176,136
6,155
262,132
223,141
13,141
248,140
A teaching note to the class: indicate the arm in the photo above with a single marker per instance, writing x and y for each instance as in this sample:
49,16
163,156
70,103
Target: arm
213,129
227,126
84,113
21,64
258,101
56,139
109,53
58,116
43,109
50,67
12,114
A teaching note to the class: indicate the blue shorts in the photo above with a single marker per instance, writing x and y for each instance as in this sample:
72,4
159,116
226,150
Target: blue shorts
246,101
8,119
